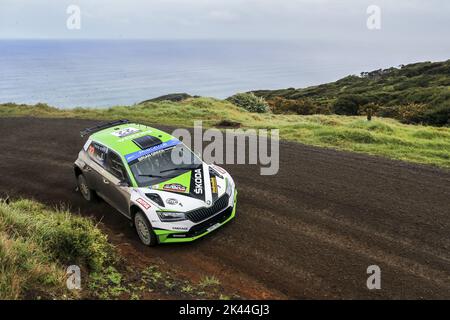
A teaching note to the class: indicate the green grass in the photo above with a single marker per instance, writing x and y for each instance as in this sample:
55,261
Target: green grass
209,282
383,137
27,271
38,243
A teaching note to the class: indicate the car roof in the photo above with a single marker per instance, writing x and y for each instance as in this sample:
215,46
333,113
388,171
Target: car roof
124,144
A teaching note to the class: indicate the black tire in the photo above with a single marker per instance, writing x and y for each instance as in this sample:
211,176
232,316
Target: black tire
144,230
87,193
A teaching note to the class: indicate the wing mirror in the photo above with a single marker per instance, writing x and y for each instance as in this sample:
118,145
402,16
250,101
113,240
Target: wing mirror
123,184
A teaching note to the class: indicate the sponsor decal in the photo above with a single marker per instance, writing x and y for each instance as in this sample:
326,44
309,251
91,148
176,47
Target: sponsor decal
175,187
179,228
125,132
214,185
198,181
142,153
143,203
150,155
172,201
97,152
197,184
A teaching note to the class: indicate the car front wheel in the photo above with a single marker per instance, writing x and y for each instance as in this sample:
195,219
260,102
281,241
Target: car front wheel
144,229
86,192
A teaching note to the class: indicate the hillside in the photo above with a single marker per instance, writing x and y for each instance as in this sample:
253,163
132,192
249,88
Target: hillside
414,93
384,137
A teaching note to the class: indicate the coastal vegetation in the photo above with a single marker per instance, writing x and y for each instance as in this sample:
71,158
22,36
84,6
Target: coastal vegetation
382,136
416,93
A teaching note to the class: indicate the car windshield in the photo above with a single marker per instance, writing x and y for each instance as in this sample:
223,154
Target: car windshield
160,166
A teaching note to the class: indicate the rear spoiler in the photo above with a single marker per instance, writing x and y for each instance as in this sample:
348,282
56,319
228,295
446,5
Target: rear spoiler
102,126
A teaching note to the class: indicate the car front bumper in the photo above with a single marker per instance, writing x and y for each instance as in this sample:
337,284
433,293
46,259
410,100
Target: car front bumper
201,229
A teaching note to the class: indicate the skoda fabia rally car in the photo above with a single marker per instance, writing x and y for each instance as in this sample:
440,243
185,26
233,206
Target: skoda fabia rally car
153,179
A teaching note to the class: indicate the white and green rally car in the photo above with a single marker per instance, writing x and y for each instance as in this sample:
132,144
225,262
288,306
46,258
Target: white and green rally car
132,167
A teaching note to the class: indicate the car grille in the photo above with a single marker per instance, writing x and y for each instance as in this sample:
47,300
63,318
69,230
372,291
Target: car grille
202,227
204,213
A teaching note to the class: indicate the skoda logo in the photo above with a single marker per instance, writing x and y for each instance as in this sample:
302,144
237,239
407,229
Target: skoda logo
172,201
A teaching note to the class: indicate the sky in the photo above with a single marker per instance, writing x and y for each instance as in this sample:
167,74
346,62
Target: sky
407,20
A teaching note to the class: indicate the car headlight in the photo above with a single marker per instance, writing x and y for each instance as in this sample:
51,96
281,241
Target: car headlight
215,172
171,216
229,190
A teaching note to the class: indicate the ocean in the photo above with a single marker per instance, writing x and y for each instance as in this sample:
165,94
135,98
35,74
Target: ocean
102,73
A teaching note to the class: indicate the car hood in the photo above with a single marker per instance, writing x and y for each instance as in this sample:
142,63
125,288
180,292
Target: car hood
190,190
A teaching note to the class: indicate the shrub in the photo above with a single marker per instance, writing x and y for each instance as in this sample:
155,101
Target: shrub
369,110
228,124
370,106
412,113
349,105
303,106
438,116
387,111
249,102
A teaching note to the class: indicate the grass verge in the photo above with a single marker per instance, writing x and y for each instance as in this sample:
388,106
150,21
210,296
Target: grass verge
37,244
382,136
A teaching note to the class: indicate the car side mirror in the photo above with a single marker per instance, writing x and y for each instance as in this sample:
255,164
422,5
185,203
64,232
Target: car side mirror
123,184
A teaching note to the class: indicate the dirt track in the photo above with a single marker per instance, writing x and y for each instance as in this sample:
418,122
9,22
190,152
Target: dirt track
309,232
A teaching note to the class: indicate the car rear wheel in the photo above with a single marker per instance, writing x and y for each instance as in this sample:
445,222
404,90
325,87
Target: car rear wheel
144,229
86,192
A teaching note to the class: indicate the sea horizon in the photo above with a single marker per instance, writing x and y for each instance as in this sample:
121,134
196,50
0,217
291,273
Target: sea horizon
105,72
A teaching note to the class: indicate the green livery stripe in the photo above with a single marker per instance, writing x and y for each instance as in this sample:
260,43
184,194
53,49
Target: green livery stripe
165,232
183,179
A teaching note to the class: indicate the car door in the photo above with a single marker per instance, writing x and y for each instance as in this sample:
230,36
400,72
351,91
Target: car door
94,168
114,185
